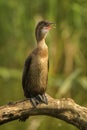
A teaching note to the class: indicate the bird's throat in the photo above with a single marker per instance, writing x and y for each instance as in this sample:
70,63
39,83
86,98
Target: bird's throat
41,43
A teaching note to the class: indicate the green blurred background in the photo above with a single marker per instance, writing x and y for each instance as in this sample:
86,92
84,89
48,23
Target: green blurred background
67,53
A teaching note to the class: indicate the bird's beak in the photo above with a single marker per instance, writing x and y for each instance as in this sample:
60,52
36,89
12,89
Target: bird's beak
51,25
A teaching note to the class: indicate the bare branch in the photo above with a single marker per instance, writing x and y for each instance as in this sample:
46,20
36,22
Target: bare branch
64,109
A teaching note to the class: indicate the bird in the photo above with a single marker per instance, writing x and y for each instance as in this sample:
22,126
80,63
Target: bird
36,67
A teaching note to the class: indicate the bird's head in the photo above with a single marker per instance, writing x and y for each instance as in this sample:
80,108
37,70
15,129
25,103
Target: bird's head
42,29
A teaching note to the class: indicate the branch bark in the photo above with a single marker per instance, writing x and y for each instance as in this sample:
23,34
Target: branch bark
64,109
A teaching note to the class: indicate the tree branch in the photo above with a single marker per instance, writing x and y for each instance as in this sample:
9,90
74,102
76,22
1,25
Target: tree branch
64,109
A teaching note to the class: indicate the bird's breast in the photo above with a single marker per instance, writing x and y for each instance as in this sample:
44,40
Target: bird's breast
39,71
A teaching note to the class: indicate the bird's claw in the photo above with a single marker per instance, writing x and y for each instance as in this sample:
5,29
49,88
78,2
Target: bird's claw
38,100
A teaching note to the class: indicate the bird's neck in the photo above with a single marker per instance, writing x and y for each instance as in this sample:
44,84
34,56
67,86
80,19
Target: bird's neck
41,43
42,49
40,36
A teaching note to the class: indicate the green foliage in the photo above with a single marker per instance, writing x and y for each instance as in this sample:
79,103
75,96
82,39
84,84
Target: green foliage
67,53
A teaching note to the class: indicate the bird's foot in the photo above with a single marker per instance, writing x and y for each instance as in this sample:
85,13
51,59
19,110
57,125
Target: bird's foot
34,101
43,98
38,100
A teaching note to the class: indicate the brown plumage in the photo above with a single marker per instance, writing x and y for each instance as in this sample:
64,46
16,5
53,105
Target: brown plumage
35,74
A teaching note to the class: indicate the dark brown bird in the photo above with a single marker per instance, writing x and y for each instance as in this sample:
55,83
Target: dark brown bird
35,74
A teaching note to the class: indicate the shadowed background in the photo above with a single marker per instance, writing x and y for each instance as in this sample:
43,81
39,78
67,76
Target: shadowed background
67,53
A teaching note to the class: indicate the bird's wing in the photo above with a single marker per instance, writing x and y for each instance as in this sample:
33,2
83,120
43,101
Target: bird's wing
26,71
